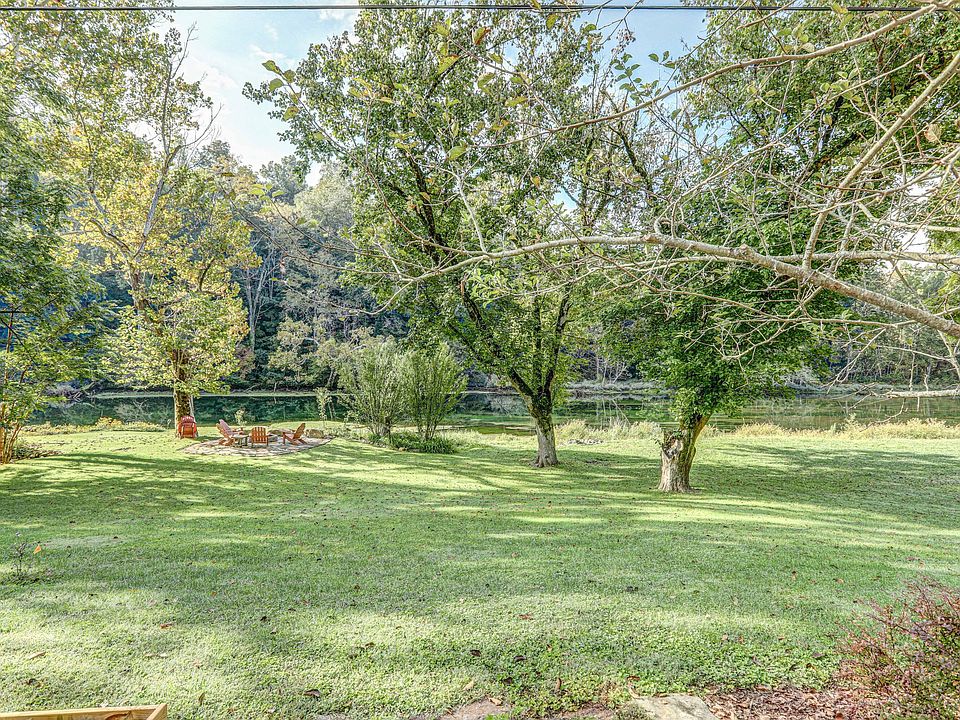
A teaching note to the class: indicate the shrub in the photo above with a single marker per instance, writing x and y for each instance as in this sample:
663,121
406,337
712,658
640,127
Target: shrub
26,560
905,657
437,445
372,376
433,383
241,417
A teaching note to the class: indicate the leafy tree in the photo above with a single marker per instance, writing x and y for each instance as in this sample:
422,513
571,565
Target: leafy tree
49,318
713,356
186,317
124,149
285,178
426,132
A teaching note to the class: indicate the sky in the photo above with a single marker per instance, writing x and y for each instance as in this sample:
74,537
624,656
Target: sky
229,48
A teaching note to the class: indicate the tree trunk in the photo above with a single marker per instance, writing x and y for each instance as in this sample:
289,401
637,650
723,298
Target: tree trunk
542,413
182,405
676,455
8,440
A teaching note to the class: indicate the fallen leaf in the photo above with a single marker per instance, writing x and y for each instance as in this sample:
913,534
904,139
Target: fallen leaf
37,655
166,625
469,686
496,701
314,693
203,696
526,616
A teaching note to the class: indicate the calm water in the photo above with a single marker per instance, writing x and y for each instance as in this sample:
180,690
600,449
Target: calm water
504,413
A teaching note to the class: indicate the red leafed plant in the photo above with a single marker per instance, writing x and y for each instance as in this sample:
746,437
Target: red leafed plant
904,658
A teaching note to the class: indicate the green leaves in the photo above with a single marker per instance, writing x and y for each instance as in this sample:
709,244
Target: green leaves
271,66
484,80
456,152
446,63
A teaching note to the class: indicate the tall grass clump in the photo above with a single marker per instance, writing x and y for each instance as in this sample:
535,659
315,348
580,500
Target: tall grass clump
580,432
433,383
104,424
929,429
373,377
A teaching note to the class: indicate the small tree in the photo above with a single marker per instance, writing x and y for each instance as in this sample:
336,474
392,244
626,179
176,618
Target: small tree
712,356
372,376
433,383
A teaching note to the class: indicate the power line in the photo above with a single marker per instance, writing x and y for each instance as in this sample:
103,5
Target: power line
551,8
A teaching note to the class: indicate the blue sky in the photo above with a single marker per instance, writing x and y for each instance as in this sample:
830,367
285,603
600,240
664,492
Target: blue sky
229,48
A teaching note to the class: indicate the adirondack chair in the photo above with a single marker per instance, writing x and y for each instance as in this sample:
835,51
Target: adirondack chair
187,427
294,437
231,436
259,435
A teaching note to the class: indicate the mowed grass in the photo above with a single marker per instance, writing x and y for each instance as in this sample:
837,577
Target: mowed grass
375,583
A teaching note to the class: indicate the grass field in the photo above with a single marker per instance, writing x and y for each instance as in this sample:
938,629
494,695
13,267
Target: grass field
352,579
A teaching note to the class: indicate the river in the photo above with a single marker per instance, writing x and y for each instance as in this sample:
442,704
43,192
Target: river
496,412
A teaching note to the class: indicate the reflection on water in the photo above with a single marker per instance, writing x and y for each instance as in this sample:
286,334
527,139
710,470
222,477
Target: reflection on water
496,412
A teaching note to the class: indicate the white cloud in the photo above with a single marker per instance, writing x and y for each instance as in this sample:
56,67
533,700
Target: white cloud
261,55
340,16
272,32
214,80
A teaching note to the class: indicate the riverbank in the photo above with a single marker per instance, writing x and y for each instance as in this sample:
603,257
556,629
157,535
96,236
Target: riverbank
504,412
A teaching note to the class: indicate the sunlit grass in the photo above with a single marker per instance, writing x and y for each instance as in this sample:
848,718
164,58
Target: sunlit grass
394,583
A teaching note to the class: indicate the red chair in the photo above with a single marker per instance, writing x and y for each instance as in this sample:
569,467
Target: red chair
187,427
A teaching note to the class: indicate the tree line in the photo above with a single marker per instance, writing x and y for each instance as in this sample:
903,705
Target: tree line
505,182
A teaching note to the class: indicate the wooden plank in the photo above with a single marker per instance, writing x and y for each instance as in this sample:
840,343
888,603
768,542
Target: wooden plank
143,712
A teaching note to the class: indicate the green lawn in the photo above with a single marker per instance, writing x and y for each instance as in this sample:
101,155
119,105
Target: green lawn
393,583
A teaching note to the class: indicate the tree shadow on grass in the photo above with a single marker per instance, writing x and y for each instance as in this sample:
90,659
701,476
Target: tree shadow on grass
414,571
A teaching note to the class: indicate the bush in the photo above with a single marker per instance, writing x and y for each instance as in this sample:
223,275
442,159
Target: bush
372,376
905,657
433,383
437,445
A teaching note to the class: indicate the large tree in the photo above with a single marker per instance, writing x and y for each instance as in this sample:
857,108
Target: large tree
848,126
427,131
125,145
50,317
